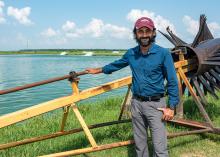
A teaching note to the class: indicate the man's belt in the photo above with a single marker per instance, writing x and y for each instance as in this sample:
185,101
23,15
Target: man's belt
148,98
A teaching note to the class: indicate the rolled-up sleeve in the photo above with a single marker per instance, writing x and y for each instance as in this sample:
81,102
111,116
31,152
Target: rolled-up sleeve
172,82
116,65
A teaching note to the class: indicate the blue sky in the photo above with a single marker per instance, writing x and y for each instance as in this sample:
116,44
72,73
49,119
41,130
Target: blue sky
97,23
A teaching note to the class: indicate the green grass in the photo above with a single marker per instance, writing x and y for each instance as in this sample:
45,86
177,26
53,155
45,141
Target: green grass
107,110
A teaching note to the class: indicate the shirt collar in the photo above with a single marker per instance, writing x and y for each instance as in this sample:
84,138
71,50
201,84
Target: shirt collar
152,49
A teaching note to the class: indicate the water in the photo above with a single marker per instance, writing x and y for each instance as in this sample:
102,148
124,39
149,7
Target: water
17,70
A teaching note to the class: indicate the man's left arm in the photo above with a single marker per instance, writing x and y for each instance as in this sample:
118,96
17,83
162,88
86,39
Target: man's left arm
172,85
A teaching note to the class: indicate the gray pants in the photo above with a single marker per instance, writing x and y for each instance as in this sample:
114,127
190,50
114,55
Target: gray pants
144,115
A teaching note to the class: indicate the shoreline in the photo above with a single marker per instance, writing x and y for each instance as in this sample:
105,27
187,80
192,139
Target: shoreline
71,53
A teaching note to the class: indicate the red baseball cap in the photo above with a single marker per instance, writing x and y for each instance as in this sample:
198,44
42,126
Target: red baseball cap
144,22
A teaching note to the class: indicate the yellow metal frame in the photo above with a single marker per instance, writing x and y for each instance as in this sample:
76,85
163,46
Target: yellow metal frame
69,102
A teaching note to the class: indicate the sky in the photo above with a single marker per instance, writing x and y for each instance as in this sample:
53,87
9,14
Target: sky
97,24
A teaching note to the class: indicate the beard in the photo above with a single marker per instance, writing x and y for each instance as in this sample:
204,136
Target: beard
145,41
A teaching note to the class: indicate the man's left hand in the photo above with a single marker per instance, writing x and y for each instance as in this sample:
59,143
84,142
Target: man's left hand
168,113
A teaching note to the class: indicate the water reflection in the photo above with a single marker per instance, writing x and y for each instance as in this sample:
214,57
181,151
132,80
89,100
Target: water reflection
16,70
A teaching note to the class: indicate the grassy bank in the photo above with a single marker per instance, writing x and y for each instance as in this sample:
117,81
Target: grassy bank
69,52
107,110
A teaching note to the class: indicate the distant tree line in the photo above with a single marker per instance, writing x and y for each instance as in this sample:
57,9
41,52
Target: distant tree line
23,50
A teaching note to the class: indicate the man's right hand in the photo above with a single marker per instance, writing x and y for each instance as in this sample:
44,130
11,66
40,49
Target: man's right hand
168,113
94,70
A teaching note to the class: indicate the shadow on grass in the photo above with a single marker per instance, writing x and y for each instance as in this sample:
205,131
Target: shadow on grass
132,152
110,135
183,143
211,137
191,110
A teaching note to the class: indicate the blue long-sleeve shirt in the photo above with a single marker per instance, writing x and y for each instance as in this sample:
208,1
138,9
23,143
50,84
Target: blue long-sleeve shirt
149,71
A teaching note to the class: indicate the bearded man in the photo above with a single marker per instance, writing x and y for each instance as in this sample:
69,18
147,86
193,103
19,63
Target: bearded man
150,65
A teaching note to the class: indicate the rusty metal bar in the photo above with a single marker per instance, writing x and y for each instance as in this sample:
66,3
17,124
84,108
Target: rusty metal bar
41,108
65,114
124,102
90,149
182,122
199,91
190,123
10,90
57,134
198,103
179,108
118,144
185,63
84,125
184,133
216,130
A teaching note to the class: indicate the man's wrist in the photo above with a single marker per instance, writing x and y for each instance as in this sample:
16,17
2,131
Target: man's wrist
172,107
101,70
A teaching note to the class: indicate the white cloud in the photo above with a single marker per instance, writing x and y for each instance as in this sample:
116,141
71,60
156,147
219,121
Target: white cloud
97,28
193,25
160,22
68,26
21,15
69,29
118,32
71,35
214,28
53,37
2,19
49,32
214,25
2,4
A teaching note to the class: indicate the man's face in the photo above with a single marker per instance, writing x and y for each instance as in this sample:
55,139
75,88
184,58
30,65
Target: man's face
144,36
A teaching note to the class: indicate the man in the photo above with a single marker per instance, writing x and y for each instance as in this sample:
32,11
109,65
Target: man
150,65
